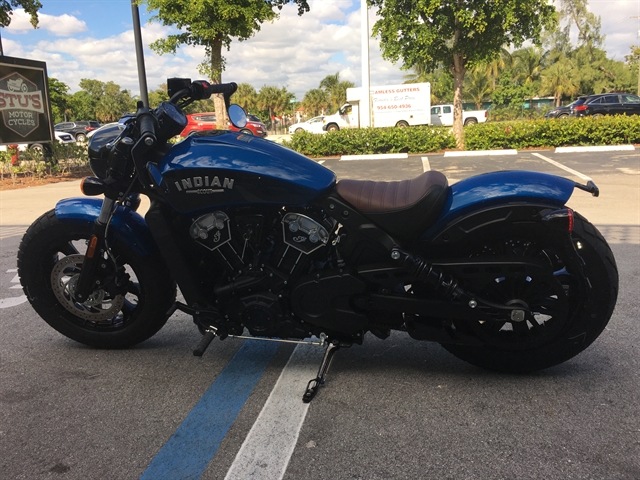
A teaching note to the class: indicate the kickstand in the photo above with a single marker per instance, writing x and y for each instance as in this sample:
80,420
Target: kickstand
314,384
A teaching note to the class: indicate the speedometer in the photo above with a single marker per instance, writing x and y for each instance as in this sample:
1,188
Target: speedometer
167,109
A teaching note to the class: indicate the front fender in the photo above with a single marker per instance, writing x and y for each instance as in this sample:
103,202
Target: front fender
126,225
500,193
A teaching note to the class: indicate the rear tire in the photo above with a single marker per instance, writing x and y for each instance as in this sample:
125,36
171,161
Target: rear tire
470,121
566,320
402,124
49,260
333,128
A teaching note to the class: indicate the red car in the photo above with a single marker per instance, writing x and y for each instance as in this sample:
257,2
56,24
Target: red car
207,121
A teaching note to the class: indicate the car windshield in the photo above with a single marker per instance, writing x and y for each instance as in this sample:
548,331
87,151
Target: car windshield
579,101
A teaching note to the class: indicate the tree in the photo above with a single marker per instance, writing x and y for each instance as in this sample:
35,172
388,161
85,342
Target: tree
316,101
336,89
114,103
100,101
440,80
588,25
59,98
557,80
529,63
246,96
478,85
29,6
456,34
213,24
274,100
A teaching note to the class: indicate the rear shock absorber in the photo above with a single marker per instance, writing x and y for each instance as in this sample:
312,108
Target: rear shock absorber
422,271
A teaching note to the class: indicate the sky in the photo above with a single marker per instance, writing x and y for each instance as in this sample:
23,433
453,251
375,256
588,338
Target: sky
94,39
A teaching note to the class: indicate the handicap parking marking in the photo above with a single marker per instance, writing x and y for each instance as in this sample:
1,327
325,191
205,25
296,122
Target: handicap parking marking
188,452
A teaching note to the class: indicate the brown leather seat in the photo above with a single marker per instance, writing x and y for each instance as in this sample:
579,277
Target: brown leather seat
403,208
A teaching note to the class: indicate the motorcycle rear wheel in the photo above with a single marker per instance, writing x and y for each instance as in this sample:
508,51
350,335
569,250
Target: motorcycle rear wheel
49,261
566,320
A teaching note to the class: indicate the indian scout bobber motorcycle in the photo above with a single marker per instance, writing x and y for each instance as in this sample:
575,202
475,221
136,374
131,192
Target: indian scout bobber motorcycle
264,243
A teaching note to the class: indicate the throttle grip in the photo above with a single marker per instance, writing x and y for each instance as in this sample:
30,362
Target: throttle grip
228,88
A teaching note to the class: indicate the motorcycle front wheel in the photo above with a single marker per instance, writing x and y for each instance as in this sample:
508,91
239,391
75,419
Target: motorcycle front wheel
128,307
567,308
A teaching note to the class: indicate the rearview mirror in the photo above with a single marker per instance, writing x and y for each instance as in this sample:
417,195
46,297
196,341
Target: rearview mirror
238,116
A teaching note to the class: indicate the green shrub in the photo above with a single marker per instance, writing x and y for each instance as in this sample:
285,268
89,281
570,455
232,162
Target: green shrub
372,140
609,130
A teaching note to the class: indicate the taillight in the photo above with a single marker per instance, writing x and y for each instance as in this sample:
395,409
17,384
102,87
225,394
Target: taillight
580,108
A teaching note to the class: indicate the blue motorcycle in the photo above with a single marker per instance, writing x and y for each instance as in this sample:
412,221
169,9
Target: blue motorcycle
264,243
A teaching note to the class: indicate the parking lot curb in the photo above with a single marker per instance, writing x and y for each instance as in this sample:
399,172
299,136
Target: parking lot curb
379,156
603,148
479,153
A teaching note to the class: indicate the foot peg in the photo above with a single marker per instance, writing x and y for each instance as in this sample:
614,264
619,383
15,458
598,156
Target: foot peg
314,384
207,338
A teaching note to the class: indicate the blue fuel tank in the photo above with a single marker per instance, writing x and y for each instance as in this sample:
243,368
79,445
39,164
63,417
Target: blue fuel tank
218,169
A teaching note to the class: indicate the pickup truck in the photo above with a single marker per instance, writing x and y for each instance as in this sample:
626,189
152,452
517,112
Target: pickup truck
443,115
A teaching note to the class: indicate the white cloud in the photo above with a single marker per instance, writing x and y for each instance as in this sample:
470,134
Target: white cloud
293,51
61,26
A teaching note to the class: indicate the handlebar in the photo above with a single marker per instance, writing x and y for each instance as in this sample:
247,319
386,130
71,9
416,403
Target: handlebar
146,124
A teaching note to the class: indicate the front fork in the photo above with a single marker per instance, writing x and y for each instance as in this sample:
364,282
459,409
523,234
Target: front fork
87,281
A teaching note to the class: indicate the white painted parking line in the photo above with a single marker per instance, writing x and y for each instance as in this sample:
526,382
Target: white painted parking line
425,164
269,445
479,153
563,167
381,156
603,148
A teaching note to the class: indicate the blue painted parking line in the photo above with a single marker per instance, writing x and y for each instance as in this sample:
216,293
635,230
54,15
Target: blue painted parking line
195,442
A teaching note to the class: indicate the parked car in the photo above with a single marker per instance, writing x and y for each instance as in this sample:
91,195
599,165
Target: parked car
313,125
198,122
559,112
78,129
103,127
606,104
40,147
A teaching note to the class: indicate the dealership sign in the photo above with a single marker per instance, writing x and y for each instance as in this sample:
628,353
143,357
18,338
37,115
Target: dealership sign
24,102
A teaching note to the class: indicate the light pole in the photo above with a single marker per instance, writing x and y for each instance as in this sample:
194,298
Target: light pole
365,105
137,35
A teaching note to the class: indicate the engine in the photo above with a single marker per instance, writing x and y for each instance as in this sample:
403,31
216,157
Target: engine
261,257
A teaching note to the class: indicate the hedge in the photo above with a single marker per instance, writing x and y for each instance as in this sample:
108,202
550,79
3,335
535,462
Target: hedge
372,140
517,134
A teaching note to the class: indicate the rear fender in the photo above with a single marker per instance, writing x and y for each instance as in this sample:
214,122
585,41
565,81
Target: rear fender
488,200
126,225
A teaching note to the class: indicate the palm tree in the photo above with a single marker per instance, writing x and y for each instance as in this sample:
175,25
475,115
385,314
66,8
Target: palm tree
246,96
316,101
274,99
529,63
501,62
478,84
558,80
336,89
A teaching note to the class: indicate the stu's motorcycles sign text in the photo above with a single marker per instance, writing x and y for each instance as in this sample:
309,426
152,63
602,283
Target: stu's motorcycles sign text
20,104
24,103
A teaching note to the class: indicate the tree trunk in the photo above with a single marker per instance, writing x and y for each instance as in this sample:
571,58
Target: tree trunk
458,79
216,77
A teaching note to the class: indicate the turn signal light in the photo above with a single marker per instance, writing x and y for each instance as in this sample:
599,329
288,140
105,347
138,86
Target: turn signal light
92,186
560,220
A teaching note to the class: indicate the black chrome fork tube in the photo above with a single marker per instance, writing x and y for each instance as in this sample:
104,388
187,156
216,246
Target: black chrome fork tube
95,253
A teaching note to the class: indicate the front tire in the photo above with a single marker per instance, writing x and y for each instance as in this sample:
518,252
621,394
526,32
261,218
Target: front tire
567,317
130,306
